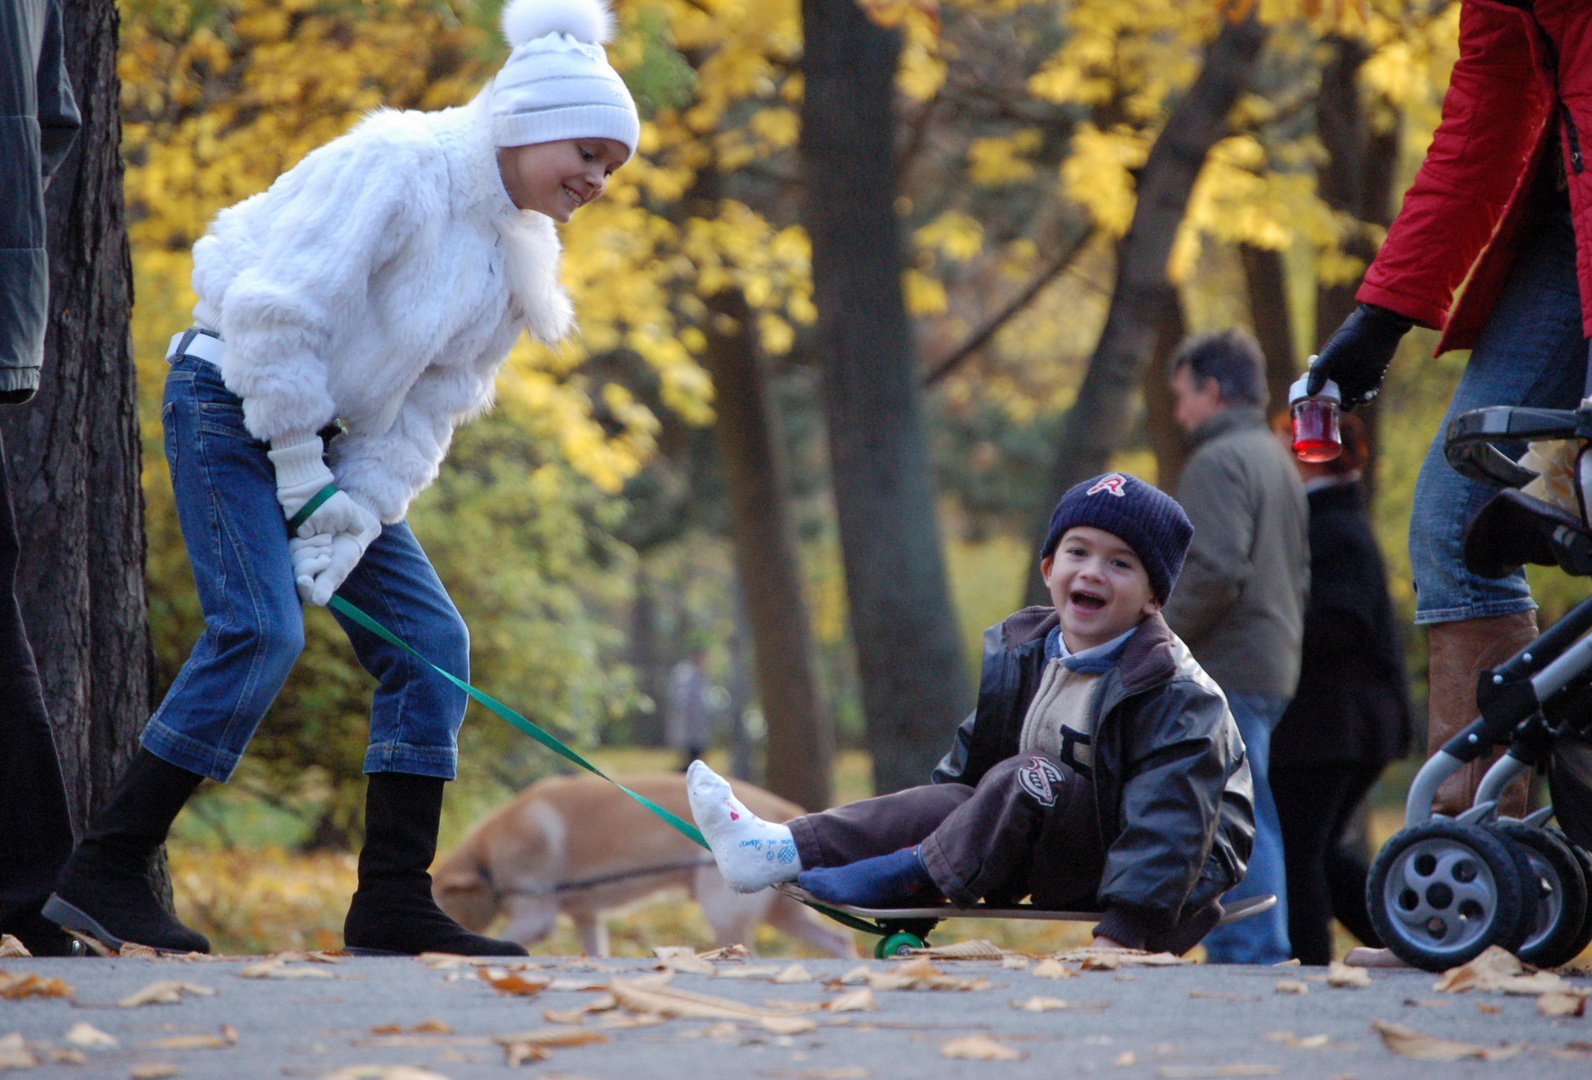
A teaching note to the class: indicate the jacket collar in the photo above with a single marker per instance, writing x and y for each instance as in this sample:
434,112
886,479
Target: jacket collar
1231,418
1147,659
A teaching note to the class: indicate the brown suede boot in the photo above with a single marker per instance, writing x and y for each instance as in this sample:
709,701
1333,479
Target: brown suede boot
1458,652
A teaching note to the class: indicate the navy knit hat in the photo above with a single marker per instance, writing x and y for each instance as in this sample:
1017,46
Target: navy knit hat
1146,518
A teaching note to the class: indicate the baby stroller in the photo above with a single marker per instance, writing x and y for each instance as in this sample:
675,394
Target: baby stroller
1444,889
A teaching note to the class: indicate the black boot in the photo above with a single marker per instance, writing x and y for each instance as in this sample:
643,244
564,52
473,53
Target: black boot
104,890
393,911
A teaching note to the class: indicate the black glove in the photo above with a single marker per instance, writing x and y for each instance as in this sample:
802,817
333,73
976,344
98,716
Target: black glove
1357,356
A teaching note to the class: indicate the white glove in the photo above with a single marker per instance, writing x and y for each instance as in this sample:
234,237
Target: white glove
329,543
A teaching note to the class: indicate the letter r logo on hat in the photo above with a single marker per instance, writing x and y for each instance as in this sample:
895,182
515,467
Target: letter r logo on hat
1112,483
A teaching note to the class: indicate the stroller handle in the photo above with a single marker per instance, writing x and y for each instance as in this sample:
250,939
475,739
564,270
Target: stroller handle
1469,444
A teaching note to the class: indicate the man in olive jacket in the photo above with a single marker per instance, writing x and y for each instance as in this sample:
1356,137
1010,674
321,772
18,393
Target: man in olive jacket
1240,604
38,119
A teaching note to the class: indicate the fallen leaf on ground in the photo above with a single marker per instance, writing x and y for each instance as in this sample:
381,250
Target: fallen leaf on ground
228,1037
728,952
14,1052
861,1000
972,949
1292,961
533,1045
980,1048
90,1037
1427,1003
682,958
564,1016
385,1072
1127,1057
663,1000
1366,957
1407,1042
919,974
1202,1072
1342,975
153,1070
639,1021
1049,1004
28,985
788,1025
1291,986
581,984
1221,995
1014,962
1296,1042
133,950
843,1072
165,992
1053,969
794,974
1561,1005
1486,1009
750,971
442,961
1123,957
507,982
1499,971
277,968
11,946
1102,962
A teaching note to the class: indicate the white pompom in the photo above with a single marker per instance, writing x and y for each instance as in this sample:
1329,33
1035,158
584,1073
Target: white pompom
583,20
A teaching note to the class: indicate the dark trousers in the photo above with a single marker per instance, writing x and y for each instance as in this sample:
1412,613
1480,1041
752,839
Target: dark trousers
35,829
1315,804
1028,829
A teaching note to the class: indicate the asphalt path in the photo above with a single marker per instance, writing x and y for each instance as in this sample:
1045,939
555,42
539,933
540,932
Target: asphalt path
1135,1022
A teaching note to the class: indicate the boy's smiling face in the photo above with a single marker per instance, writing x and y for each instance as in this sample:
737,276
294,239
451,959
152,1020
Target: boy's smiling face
558,178
1099,587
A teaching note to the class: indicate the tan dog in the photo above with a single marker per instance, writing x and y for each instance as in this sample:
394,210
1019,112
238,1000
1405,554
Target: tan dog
579,845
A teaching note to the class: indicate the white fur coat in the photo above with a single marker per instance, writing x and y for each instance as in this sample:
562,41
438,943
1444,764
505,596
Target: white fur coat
382,281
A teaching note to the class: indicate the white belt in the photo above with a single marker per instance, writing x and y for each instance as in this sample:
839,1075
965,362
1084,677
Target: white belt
202,347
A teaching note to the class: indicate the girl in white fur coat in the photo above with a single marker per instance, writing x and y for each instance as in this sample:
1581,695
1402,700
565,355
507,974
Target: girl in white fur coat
348,318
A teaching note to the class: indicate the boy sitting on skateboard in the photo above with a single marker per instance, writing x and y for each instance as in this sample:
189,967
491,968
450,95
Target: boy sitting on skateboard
1101,766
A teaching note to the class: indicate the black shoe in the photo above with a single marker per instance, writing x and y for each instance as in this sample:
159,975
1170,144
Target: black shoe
393,913
104,890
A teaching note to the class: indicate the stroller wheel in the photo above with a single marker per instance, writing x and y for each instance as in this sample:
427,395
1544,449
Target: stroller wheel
1584,861
1440,893
1555,896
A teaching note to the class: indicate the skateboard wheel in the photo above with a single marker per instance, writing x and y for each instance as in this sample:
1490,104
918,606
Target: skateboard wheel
897,944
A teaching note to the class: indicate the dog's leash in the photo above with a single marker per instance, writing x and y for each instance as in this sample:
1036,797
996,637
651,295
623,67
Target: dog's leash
687,829
592,882
554,744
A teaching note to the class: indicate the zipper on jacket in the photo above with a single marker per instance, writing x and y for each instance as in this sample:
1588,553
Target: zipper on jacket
1570,134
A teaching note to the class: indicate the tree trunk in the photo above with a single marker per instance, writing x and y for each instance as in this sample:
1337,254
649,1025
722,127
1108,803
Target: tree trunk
905,632
74,450
1266,280
1166,439
1098,422
1357,179
801,741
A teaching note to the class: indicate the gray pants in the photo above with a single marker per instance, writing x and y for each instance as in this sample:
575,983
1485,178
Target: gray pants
1028,829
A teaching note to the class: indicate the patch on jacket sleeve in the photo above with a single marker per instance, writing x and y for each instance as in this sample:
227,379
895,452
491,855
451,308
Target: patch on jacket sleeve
1041,779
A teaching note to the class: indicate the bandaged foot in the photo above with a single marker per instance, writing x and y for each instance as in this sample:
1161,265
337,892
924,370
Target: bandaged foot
752,853
883,881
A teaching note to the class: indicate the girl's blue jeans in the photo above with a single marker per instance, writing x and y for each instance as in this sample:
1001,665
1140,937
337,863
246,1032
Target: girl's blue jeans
236,538
1532,352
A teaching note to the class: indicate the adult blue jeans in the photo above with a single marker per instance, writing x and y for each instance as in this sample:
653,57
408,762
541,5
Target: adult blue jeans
1263,938
1531,352
233,528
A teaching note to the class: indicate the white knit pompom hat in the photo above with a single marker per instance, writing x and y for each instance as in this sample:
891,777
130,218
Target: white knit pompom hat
557,83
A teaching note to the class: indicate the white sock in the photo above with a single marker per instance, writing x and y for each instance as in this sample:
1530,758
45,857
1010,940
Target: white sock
752,853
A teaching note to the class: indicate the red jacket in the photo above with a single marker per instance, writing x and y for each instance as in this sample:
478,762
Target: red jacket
1518,76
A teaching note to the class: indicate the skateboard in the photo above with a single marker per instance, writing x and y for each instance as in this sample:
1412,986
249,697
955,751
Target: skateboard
901,930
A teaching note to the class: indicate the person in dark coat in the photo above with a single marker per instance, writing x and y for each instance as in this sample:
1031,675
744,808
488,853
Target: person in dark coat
1351,714
38,119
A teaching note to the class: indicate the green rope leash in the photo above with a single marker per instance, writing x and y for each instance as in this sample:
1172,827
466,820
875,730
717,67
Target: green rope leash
304,512
552,743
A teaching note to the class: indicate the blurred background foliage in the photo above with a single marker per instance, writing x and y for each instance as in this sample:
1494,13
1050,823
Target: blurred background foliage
582,526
